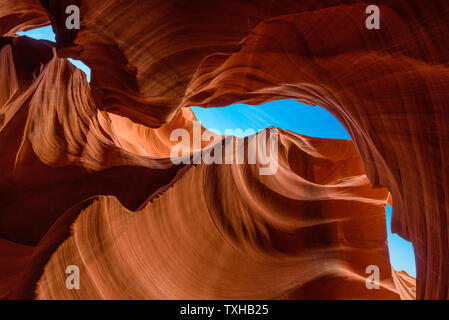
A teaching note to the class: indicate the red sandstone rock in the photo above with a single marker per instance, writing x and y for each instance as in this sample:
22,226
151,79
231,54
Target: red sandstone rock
21,15
388,87
226,232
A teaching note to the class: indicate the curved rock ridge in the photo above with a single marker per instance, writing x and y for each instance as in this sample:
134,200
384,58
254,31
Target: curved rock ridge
307,232
21,15
405,285
61,140
387,87
59,150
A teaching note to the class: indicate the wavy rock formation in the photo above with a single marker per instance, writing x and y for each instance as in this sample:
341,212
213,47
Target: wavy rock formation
91,155
59,149
308,231
405,285
21,15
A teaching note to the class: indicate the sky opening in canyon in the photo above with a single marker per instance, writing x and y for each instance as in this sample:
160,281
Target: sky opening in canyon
303,119
46,33
286,114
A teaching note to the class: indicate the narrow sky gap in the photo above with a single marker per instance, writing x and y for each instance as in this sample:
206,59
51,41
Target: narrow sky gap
402,256
46,33
286,114
307,120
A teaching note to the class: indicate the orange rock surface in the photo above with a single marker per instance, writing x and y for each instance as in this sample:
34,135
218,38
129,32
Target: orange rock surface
226,232
95,156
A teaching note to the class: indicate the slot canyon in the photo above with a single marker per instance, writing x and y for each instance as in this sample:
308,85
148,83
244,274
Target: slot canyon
86,177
